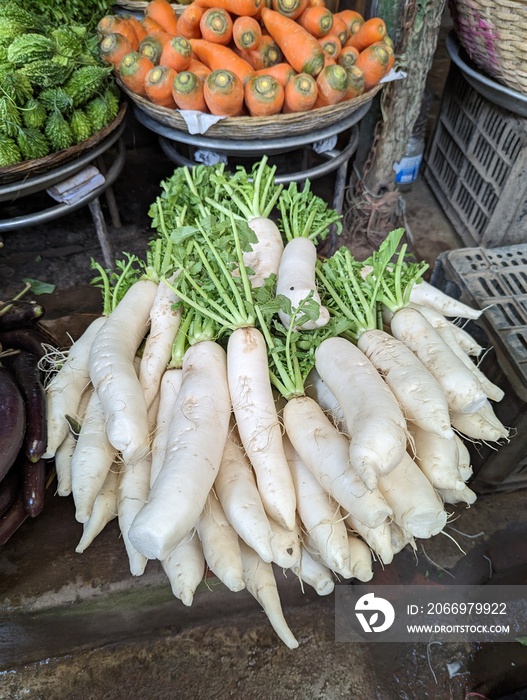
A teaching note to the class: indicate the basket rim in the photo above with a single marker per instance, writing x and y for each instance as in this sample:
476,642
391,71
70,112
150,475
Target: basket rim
40,165
246,127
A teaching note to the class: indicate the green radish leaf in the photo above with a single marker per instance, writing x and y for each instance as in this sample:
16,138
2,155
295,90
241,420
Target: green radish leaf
183,233
522,641
38,287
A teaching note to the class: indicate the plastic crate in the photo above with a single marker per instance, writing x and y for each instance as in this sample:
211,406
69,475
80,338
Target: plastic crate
495,280
476,166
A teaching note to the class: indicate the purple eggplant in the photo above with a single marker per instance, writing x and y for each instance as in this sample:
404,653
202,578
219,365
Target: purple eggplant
12,520
12,421
28,377
34,487
10,487
19,313
30,339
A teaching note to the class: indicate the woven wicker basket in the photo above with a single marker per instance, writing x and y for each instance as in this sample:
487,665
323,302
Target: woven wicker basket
248,128
494,35
28,168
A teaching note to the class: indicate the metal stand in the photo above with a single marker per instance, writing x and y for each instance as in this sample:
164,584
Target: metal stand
32,185
336,160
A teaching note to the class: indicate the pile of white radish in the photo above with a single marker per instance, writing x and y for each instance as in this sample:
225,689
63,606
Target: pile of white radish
240,408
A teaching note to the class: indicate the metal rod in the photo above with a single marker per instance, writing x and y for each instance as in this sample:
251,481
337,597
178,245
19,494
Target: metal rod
102,232
109,195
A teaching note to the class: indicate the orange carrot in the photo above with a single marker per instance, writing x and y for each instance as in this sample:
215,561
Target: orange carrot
188,21
158,86
112,24
153,44
113,48
187,91
151,26
289,8
199,69
264,96
299,47
264,3
372,31
132,71
176,53
246,33
331,45
374,61
300,93
318,21
138,28
355,83
391,54
162,12
281,72
265,55
316,3
216,26
223,92
340,29
216,56
329,60
332,83
354,20
347,56
235,7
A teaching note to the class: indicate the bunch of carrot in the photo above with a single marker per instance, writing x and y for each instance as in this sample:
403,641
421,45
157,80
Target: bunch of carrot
241,403
247,57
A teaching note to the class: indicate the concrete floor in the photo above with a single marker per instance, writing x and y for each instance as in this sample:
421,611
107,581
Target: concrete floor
79,627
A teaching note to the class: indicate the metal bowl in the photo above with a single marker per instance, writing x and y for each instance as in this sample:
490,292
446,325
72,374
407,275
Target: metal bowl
495,92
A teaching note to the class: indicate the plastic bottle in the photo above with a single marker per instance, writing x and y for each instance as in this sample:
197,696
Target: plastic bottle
407,170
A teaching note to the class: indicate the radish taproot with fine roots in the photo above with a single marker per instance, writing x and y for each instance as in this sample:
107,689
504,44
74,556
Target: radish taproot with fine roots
306,221
194,449
314,573
465,495
103,511
254,408
325,452
445,330
133,492
415,388
401,538
416,506
464,460
113,375
169,388
482,424
261,584
252,198
93,457
164,324
285,545
438,320
463,391
438,458
360,559
428,295
319,513
64,391
318,390
378,539
238,493
375,421
296,281
220,545
65,450
185,568
62,460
